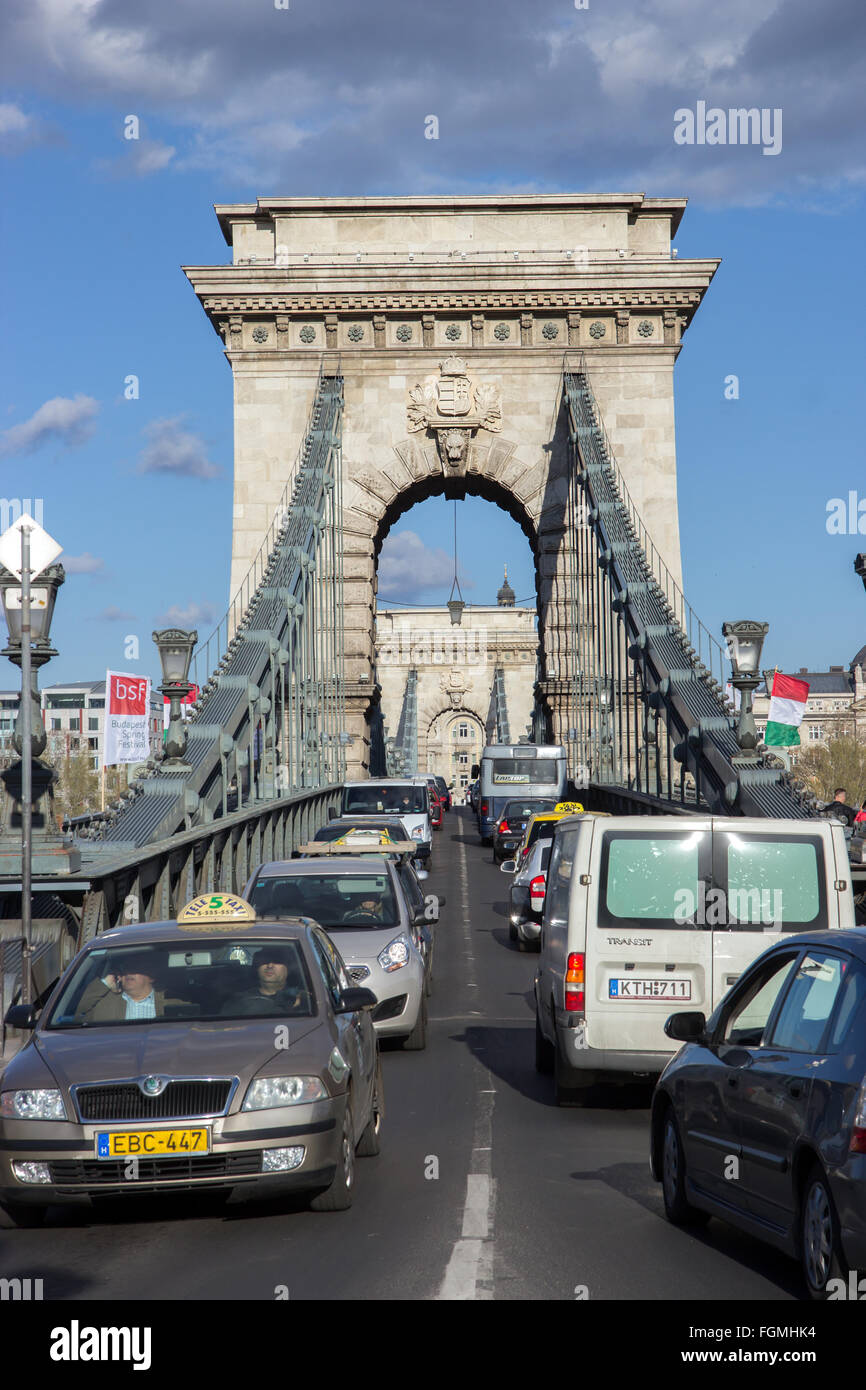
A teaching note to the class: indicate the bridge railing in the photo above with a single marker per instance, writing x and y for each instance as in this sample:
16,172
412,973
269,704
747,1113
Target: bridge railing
708,649
209,654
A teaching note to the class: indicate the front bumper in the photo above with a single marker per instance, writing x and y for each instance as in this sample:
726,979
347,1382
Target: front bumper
400,994
235,1160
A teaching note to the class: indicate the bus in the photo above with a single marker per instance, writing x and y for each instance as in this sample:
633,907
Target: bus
517,769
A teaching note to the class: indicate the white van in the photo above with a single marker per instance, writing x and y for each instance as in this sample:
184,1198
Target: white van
645,916
406,797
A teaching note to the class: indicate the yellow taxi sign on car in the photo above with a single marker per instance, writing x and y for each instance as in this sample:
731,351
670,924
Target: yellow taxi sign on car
568,808
213,908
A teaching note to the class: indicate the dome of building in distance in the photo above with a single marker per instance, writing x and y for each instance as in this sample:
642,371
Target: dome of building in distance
505,596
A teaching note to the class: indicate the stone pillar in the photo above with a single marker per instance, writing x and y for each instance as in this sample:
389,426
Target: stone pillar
622,317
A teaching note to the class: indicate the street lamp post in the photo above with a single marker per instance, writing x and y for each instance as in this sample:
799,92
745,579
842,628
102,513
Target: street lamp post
175,648
28,612
745,640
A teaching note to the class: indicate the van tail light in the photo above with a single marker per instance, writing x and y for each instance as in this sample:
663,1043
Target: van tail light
857,1143
484,808
502,827
537,890
575,999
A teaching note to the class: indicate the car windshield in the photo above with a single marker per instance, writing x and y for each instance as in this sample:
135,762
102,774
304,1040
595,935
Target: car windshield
375,798
333,900
204,978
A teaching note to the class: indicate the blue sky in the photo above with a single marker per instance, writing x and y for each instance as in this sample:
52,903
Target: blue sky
95,229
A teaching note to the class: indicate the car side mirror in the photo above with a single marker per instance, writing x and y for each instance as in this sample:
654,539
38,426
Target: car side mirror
354,999
689,1026
332,813
21,1016
419,916
420,873
508,866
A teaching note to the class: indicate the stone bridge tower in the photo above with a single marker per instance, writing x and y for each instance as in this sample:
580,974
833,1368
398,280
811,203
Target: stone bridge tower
452,317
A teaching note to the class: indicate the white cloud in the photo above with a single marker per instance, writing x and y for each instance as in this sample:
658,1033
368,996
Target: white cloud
173,449
83,564
143,157
604,85
113,614
13,121
190,616
69,421
407,566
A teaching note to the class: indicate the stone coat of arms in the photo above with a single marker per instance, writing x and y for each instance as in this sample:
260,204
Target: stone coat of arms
454,407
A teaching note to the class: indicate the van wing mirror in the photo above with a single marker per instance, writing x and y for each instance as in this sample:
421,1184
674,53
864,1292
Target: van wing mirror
688,1026
476,770
332,813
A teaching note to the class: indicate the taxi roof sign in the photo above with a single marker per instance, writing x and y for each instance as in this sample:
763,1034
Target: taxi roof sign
368,845
211,908
568,808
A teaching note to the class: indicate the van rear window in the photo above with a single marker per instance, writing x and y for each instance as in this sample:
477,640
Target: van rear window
774,881
513,771
652,879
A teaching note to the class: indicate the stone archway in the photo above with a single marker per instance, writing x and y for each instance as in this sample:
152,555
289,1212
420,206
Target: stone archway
440,744
529,482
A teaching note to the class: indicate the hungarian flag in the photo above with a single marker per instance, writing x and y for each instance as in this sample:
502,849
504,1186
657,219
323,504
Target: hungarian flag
788,698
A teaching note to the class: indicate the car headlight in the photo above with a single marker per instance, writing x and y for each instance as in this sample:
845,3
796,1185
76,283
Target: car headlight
395,955
272,1092
416,832
32,1105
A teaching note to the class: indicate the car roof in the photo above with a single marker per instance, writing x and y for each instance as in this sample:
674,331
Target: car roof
336,864
152,933
851,939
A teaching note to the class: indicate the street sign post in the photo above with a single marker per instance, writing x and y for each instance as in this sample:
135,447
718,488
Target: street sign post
26,549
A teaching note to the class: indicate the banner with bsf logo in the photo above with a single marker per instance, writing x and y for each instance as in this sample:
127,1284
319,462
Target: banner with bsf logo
127,706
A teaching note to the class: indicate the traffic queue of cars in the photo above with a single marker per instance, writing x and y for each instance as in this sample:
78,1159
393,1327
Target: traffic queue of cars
759,1118
234,1049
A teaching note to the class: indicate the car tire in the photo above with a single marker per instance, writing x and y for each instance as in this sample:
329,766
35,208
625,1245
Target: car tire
821,1257
521,944
512,932
417,1039
678,1209
338,1197
543,1051
25,1217
370,1142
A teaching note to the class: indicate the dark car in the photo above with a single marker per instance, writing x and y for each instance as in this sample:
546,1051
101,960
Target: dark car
508,831
444,792
760,1119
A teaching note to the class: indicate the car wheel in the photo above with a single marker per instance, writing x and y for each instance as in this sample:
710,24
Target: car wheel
338,1197
543,1051
417,1039
24,1216
821,1255
370,1142
678,1210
